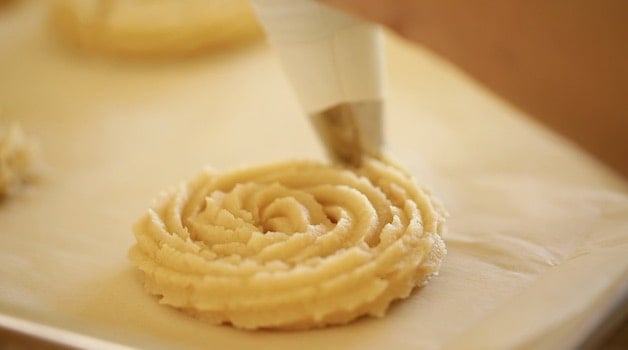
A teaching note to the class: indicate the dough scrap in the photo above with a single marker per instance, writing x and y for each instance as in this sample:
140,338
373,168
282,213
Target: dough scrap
18,159
153,27
292,245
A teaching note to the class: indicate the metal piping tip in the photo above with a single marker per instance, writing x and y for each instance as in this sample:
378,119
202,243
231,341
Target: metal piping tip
351,130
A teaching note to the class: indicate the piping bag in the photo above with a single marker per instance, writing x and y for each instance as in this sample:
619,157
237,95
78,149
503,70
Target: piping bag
334,63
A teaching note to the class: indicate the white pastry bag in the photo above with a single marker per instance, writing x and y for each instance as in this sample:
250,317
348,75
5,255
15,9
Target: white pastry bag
334,62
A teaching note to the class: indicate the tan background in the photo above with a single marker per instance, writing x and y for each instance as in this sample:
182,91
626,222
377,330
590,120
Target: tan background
565,62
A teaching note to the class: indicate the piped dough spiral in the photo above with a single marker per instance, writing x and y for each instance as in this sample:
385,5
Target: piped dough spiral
153,27
19,158
291,245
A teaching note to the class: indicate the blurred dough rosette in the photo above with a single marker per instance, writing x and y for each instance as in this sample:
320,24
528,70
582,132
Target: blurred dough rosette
19,158
153,27
291,245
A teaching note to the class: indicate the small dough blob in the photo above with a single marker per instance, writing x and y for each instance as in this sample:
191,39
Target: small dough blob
153,27
18,159
292,245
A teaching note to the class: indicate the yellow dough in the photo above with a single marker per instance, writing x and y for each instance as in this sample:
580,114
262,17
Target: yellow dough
291,245
153,27
18,158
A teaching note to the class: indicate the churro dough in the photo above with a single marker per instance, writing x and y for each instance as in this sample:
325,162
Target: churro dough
291,245
153,27
18,158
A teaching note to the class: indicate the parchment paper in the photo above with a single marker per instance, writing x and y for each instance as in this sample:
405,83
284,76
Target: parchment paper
537,236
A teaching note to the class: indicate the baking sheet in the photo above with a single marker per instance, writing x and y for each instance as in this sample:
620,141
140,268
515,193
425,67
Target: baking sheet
537,236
